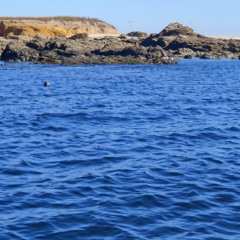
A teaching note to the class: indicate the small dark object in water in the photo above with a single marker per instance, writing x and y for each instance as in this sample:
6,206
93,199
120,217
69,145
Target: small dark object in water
47,84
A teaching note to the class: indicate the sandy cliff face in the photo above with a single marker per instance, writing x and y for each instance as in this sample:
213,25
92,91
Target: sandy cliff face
53,27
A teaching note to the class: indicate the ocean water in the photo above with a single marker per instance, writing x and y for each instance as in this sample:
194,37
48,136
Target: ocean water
120,151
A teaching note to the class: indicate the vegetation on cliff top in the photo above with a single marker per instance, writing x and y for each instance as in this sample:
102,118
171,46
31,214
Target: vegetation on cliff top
58,18
56,26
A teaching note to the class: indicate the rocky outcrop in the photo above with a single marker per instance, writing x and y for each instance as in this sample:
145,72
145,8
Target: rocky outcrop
177,29
138,34
182,42
53,27
171,33
174,42
83,50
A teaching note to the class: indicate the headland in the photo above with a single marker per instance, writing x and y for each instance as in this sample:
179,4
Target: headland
74,40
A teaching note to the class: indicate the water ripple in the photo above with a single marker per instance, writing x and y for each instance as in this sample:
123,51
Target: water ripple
120,152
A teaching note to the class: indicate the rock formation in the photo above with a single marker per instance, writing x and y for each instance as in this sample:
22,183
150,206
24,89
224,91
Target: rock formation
53,27
174,42
182,42
138,34
64,40
83,50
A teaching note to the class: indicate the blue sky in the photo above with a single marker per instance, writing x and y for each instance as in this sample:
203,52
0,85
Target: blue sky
209,17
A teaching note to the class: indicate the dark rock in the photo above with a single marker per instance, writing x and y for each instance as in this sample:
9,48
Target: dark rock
36,44
10,54
207,56
122,36
60,52
177,29
49,57
52,45
134,53
129,51
138,34
169,34
185,53
233,46
81,36
153,40
17,51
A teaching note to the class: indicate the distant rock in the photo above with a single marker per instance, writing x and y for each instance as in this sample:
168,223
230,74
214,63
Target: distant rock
169,34
36,44
81,36
182,42
177,29
138,34
53,27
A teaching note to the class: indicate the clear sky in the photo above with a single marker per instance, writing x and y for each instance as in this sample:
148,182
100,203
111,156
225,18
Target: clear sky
209,17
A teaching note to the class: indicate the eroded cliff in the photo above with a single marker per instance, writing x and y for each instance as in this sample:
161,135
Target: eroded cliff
53,27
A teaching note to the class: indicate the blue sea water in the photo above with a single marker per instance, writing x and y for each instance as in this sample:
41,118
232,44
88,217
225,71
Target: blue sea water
120,151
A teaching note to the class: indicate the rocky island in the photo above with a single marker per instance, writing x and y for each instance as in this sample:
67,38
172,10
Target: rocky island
69,40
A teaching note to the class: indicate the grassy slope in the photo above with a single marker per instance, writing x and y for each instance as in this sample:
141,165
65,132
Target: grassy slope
59,18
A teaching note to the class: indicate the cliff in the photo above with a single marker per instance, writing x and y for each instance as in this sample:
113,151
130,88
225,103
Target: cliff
53,27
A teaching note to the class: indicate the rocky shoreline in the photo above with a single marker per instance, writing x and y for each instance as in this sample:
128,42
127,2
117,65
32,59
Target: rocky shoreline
174,42
81,49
